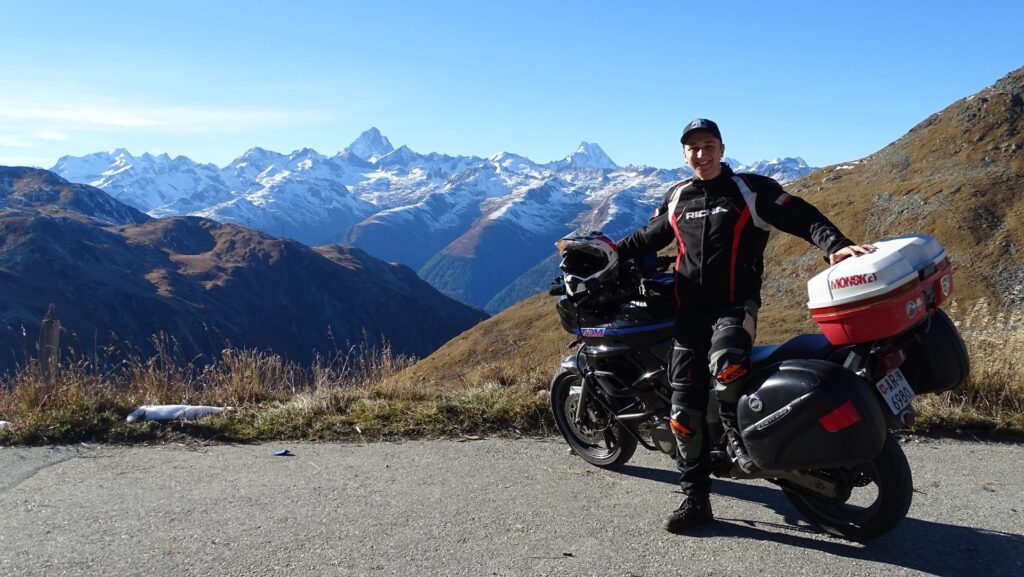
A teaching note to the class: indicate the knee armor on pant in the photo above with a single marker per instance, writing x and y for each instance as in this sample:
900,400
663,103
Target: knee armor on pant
688,427
729,358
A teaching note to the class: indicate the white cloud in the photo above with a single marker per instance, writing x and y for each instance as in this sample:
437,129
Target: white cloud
10,141
75,116
25,161
52,136
24,140
180,119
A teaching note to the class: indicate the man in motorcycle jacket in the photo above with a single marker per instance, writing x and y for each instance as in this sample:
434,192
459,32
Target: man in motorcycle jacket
721,221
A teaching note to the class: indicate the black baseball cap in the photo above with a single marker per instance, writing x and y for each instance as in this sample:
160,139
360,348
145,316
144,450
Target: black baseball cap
700,124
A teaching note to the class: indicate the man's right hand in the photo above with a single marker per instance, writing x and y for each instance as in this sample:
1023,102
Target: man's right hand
848,251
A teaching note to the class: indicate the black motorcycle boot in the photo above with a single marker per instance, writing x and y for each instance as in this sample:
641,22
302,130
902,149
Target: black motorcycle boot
694,511
734,440
743,459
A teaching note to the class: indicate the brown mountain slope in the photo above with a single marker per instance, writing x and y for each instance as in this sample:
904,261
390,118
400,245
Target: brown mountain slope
23,188
957,175
521,344
208,286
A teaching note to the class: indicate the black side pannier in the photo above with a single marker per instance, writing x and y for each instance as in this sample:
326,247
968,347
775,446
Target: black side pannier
938,360
811,414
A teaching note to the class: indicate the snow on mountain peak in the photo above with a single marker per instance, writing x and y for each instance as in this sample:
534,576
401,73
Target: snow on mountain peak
402,155
370,146
305,155
513,162
783,170
590,155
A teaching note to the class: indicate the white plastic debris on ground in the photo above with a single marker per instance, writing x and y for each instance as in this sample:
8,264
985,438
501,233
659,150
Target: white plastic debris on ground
5,424
173,412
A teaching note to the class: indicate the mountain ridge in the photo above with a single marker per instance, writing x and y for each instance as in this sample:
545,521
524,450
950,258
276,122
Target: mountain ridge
204,285
404,206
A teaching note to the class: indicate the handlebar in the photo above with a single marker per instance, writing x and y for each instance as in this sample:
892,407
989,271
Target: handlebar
665,262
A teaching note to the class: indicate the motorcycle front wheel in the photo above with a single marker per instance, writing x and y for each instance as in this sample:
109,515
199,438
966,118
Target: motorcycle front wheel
879,497
597,438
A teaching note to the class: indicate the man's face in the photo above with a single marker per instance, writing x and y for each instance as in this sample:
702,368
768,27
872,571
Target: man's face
703,153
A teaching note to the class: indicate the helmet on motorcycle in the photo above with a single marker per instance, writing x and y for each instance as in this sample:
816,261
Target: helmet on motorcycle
587,260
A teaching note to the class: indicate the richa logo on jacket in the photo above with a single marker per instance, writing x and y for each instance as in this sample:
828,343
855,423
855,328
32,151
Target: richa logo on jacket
703,213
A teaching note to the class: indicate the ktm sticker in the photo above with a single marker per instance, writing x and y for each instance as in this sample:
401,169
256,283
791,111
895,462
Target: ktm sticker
593,332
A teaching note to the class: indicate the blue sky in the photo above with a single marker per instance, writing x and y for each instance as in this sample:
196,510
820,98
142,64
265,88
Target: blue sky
828,81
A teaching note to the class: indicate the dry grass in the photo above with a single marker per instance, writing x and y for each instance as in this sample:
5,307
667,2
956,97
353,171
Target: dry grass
490,380
353,395
993,396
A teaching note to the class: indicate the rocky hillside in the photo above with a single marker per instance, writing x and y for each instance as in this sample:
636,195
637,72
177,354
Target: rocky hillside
957,175
208,286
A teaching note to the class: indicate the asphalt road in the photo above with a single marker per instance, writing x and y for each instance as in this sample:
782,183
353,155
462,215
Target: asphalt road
476,508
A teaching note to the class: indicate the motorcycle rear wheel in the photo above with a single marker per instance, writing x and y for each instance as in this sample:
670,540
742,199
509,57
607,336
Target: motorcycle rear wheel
599,439
880,497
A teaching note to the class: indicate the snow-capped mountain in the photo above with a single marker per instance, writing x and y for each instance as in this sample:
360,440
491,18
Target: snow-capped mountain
370,146
589,155
781,169
147,182
479,229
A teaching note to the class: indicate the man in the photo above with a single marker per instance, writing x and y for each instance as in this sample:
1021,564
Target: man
721,221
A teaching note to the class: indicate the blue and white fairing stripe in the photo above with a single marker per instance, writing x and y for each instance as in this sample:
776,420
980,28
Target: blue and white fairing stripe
605,332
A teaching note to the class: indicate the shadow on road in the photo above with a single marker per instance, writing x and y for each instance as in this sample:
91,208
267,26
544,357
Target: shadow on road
934,548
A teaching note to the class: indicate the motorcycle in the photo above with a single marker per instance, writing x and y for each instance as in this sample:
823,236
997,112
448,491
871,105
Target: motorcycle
821,410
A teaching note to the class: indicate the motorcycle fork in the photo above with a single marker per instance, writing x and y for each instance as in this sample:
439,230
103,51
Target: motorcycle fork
582,403
611,413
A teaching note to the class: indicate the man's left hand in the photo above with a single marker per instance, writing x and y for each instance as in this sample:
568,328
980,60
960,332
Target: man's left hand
848,251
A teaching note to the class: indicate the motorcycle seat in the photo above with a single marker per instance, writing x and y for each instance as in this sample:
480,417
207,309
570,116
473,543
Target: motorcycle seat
806,346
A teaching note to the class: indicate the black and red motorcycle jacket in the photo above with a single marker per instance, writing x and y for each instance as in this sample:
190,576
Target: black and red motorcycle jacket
722,226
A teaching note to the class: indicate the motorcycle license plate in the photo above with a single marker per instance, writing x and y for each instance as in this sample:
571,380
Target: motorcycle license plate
896,391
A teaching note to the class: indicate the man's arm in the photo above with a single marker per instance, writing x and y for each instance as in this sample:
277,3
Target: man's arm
796,216
656,235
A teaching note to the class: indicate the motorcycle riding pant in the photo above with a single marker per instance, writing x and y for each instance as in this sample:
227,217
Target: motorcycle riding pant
709,343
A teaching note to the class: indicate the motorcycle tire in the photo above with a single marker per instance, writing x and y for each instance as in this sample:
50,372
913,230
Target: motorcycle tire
600,441
880,497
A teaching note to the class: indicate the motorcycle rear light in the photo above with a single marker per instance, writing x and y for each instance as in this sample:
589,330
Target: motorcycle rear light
889,361
909,420
840,418
908,417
